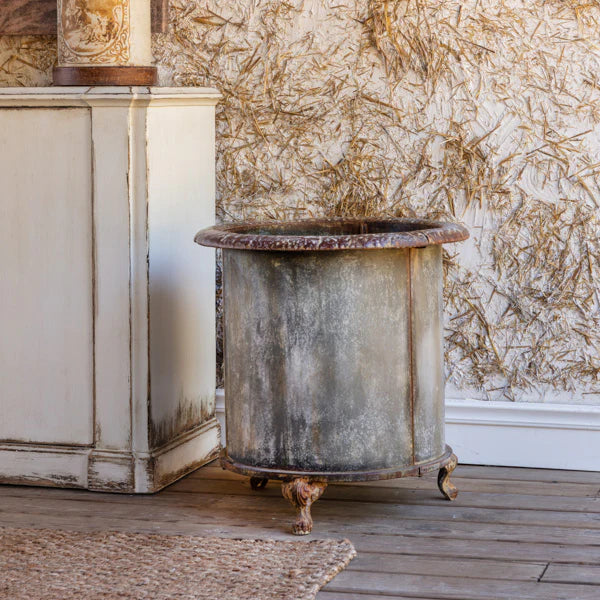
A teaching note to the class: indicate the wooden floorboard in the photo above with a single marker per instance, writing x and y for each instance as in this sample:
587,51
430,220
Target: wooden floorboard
457,588
527,534
561,573
448,566
368,518
523,474
328,595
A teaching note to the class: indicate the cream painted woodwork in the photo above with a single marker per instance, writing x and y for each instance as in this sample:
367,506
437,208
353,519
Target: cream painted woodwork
107,352
46,347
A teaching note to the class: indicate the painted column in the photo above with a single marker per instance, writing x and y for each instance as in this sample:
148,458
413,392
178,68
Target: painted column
104,42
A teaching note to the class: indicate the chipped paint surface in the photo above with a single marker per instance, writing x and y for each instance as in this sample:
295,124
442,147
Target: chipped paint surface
486,112
183,416
127,258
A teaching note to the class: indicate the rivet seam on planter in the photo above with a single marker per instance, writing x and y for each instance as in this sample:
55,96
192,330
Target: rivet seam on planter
411,376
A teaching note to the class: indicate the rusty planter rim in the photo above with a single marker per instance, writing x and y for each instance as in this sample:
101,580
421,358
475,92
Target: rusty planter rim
416,470
370,233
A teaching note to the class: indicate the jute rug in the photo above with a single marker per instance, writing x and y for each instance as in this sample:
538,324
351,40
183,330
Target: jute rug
45,564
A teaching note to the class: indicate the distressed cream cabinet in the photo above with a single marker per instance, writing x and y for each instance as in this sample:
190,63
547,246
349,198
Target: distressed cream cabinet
107,342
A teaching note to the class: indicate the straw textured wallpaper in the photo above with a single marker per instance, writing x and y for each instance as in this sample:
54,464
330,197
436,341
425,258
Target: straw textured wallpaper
482,111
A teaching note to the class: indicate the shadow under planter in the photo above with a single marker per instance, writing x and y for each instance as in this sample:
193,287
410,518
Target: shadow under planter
334,352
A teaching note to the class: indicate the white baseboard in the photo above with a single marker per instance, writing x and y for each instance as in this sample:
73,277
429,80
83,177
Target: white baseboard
524,434
514,434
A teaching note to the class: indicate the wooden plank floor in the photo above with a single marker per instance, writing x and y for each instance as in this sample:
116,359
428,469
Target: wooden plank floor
511,534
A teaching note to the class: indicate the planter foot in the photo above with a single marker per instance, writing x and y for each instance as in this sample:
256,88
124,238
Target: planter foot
302,493
258,483
448,490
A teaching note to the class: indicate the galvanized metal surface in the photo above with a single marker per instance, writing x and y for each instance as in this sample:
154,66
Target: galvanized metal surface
319,365
333,360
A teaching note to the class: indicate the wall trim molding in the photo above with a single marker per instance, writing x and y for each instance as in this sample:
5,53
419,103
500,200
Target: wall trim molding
44,464
524,434
514,434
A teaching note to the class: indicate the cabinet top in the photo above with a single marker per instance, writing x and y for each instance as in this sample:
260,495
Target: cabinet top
77,96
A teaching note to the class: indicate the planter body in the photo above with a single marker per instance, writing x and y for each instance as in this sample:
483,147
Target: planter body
333,353
333,360
333,347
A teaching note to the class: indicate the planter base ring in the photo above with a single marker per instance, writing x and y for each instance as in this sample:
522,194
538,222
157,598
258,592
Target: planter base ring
416,470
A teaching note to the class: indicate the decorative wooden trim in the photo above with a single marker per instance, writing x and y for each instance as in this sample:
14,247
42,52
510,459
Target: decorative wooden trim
149,472
109,471
73,76
182,456
38,17
160,16
44,464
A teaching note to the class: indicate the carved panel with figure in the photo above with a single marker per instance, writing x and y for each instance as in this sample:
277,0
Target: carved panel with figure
94,31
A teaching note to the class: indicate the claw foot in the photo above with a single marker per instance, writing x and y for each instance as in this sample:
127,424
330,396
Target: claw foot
448,490
302,493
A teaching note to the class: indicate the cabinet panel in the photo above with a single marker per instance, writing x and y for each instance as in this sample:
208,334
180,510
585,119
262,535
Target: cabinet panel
46,274
182,274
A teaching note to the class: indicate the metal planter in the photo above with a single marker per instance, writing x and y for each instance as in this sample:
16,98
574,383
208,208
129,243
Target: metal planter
334,352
